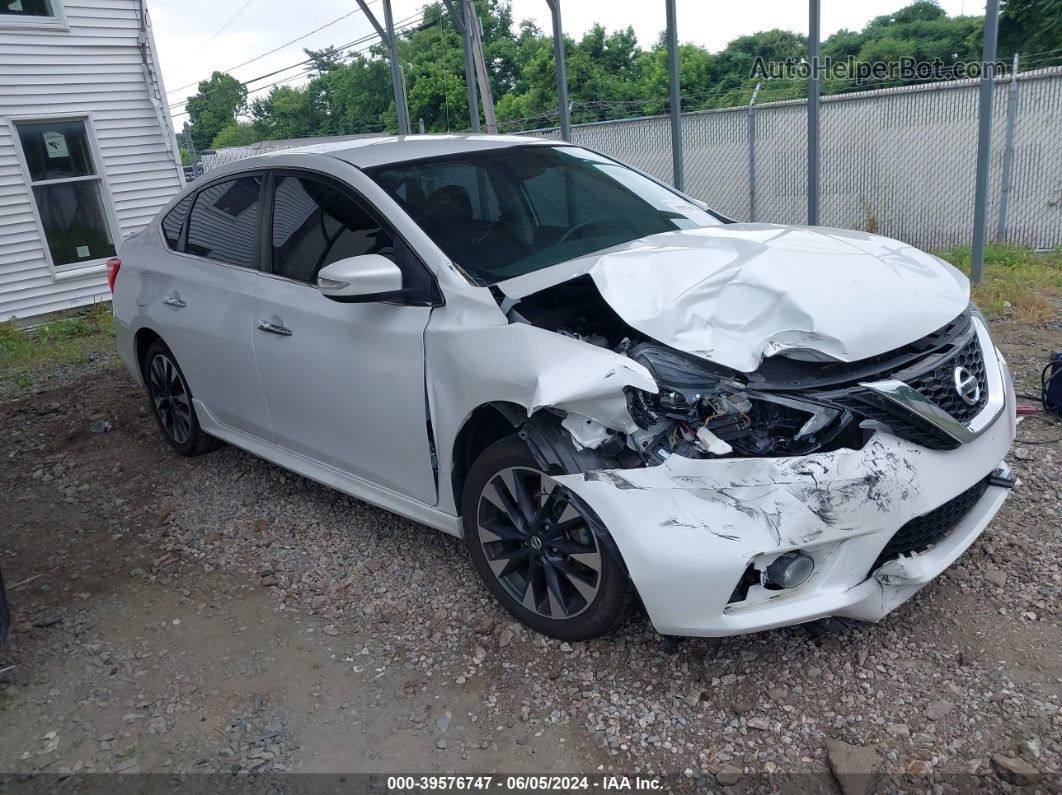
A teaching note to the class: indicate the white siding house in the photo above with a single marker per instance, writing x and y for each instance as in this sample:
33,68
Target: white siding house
87,150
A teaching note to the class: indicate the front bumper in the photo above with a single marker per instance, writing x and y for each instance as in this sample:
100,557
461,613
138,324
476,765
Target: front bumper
688,529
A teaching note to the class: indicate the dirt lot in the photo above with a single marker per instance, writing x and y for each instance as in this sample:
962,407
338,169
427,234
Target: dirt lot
221,615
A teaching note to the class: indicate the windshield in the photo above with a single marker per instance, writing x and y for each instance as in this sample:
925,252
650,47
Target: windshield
502,213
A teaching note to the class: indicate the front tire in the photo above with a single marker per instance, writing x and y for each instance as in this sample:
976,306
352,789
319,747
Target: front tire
540,550
171,402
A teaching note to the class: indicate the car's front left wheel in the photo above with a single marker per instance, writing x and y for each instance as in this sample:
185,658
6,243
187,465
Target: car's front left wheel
540,550
171,402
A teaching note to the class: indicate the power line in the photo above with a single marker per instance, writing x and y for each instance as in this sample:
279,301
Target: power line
400,27
230,21
276,49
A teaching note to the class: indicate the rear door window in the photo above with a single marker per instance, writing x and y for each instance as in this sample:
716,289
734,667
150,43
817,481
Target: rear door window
224,222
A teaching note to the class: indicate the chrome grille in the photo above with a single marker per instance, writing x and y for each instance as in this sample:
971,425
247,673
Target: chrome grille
938,384
933,378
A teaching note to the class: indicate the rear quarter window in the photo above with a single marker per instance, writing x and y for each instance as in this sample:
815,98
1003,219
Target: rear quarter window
173,222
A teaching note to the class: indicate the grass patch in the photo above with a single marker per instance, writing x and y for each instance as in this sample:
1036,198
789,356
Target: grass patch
67,341
1018,283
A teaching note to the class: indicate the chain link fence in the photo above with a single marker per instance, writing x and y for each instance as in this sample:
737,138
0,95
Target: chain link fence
899,161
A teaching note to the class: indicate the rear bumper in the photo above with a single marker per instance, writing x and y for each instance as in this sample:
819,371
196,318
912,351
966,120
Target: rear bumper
688,530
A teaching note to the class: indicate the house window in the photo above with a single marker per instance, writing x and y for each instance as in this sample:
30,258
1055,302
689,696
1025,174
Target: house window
67,189
27,8
31,13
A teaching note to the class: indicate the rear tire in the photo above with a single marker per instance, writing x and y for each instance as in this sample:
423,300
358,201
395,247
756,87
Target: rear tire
540,550
171,402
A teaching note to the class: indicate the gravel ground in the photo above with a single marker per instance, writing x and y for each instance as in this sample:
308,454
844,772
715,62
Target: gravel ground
221,615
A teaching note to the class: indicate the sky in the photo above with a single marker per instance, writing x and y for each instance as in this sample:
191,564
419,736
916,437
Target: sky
197,37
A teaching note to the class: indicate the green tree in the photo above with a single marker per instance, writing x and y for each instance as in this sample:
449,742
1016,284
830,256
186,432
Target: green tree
356,97
235,134
609,75
287,112
324,61
1031,26
215,106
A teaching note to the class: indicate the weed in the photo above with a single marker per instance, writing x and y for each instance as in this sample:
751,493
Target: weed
1018,283
70,340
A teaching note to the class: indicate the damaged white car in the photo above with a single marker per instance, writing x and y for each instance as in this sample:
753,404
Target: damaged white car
608,390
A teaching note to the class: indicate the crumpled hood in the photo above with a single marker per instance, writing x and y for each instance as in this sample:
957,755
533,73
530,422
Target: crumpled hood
737,293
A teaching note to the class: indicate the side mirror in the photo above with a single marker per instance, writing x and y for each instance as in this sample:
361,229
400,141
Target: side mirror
360,280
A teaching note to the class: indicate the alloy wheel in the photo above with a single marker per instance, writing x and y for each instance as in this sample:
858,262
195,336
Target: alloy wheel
170,398
538,544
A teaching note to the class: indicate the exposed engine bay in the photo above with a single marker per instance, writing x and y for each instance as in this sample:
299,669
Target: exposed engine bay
701,410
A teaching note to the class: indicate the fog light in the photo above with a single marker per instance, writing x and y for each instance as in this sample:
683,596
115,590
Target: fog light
790,570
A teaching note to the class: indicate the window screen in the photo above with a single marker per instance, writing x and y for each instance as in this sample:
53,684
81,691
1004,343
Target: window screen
174,220
315,224
224,221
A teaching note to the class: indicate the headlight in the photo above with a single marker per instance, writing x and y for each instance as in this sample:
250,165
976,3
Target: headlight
705,411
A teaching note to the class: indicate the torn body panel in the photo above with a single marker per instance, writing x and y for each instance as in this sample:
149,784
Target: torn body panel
689,529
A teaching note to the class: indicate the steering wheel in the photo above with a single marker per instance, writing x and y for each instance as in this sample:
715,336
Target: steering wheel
574,230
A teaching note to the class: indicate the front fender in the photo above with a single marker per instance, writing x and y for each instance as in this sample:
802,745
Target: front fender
468,366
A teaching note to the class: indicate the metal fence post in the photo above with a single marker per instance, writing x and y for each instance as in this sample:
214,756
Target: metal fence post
752,153
1008,152
813,113
984,139
561,69
386,32
676,100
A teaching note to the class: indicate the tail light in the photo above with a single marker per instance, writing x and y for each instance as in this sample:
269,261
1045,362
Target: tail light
113,266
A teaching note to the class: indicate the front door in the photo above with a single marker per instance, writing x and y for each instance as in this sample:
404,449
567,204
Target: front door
344,383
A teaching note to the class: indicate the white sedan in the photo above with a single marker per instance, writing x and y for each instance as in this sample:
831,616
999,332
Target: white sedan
605,388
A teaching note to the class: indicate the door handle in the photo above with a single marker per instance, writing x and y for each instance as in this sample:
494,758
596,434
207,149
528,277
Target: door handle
273,328
172,300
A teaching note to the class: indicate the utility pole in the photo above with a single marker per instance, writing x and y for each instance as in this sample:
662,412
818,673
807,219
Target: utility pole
472,23
676,100
458,17
386,32
984,139
813,113
562,71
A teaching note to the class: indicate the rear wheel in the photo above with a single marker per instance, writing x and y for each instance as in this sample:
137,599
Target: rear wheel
171,402
541,551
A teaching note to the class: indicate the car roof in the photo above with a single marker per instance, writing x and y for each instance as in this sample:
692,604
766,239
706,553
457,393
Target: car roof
369,152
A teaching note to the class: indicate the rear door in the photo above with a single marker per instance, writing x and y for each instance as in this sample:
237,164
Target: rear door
203,299
344,383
